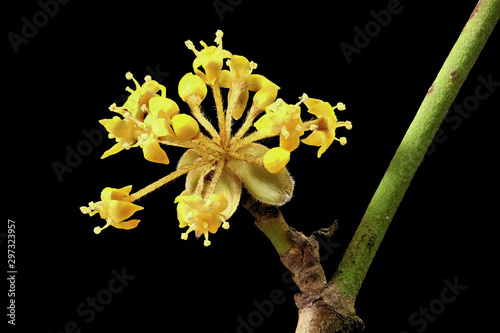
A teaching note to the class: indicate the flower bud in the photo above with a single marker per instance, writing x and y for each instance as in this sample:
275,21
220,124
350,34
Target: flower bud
192,85
185,126
276,159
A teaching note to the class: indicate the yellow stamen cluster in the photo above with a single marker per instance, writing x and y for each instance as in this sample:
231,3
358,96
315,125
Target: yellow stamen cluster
218,161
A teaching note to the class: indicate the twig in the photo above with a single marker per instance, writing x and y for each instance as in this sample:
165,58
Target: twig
375,222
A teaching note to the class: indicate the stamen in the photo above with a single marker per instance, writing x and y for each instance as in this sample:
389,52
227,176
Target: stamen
253,65
218,37
129,76
346,124
85,210
97,230
189,44
340,106
147,78
303,98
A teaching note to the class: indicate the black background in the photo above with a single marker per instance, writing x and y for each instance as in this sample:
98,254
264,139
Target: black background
62,81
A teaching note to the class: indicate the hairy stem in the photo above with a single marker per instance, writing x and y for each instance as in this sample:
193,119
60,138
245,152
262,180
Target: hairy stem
168,178
375,222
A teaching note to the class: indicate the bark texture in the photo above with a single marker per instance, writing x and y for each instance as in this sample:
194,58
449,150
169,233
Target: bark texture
322,308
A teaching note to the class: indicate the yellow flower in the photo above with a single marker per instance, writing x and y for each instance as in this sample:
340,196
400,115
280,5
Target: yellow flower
158,115
123,130
130,132
140,97
201,216
210,58
114,209
282,119
324,127
240,77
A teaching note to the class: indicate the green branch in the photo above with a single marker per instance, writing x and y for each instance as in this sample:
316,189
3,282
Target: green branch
359,255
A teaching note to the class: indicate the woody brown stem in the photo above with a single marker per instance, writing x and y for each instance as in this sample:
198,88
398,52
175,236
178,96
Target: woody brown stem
322,308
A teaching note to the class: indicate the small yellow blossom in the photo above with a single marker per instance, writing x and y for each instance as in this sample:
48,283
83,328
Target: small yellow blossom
140,97
211,58
123,130
114,209
324,127
282,119
240,77
201,216
152,125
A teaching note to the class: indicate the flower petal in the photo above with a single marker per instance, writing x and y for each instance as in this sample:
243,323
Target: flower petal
157,104
153,152
121,210
113,150
127,225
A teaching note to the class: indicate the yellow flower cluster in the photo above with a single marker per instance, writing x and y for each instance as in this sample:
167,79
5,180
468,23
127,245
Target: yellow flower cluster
218,162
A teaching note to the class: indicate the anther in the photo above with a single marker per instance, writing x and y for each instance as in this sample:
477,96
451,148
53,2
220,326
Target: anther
85,210
303,98
218,37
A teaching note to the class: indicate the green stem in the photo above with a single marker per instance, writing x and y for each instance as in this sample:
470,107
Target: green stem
374,224
270,221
